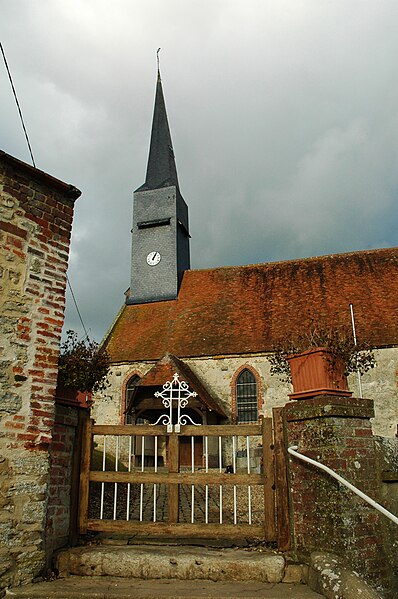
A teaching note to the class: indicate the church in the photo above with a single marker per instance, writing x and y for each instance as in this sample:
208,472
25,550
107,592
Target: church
216,328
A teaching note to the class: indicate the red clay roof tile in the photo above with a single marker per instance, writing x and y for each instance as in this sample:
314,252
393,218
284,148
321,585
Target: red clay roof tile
247,309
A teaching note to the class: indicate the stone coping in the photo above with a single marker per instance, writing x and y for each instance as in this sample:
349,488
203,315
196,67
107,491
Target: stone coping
329,406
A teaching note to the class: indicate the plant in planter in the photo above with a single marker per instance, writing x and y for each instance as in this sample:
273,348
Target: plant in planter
319,361
82,368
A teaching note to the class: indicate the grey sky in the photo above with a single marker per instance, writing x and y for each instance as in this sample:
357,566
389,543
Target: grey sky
283,113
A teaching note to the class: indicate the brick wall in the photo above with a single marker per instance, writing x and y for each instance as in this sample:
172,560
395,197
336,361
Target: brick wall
387,460
63,479
325,515
36,213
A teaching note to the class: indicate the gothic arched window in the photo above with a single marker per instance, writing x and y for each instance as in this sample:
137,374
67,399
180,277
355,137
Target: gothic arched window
246,397
131,385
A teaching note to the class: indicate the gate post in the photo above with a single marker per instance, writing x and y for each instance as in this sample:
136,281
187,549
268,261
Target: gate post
87,437
281,483
83,415
269,480
173,488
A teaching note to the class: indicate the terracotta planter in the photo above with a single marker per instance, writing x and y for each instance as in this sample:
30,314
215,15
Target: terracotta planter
73,397
313,374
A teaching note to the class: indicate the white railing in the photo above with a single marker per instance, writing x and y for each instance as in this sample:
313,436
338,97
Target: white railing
227,485
293,451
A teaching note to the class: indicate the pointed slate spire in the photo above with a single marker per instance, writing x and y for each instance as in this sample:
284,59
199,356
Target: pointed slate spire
161,169
160,233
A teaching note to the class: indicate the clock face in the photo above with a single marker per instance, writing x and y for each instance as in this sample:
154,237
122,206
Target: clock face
153,258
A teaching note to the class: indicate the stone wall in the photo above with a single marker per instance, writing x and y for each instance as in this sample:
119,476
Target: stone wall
325,515
217,374
36,213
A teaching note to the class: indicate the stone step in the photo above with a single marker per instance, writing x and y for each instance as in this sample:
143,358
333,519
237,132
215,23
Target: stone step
103,587
178,562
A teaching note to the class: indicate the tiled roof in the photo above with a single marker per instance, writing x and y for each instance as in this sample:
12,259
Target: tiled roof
165,369
247,309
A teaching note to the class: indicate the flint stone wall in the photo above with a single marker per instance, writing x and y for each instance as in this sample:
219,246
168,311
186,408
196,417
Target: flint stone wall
380,384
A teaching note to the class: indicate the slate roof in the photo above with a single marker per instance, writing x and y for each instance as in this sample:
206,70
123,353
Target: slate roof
161,168
247,309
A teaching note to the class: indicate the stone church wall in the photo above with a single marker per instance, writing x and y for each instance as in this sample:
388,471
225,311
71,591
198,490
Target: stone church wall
36,214
379,384
108,405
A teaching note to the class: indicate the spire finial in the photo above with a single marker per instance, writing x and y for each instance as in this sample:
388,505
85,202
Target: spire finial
157,59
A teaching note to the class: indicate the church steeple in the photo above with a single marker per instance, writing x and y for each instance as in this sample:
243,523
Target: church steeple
161,169
160,237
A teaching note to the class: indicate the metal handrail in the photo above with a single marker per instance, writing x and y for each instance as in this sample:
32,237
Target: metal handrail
293,451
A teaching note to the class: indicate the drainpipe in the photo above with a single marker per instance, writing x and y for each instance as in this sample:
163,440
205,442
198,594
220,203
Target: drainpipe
355,343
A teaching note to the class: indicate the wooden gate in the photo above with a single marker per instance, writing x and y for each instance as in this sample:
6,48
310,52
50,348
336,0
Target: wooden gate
133,481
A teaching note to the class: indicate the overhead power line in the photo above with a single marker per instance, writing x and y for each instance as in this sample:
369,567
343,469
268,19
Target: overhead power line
77,308
34,164
17,103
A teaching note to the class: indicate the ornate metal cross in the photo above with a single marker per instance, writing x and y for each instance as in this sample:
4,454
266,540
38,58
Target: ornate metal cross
175,391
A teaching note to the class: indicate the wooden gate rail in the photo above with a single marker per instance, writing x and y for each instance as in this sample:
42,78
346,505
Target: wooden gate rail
210,430
174,478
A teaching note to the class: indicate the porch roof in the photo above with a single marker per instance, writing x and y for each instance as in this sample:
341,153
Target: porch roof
165,369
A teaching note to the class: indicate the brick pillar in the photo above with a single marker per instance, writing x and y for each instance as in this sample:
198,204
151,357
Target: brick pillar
325,515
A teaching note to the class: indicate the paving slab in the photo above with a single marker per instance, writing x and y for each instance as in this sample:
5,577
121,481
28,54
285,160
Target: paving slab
98,587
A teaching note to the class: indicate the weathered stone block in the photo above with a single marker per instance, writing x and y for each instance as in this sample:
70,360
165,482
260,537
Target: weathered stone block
34,512
10,403
36,464
186,563
293,574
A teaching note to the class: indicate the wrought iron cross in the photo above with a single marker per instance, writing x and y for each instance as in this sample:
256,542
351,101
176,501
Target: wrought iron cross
175,391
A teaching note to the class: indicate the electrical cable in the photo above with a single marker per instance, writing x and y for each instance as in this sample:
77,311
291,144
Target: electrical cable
17,103
77,308
34,164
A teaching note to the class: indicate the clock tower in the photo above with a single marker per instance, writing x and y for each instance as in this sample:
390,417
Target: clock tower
160,234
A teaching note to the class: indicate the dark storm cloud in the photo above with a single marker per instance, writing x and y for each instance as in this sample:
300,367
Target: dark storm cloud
284,118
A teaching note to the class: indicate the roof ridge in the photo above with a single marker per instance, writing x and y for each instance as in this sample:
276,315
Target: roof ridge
292,260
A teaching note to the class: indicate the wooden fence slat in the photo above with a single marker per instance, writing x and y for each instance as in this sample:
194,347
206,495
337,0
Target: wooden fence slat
85,474
127,430
269,481
173,488
222,430
176,529
281,483
182,478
